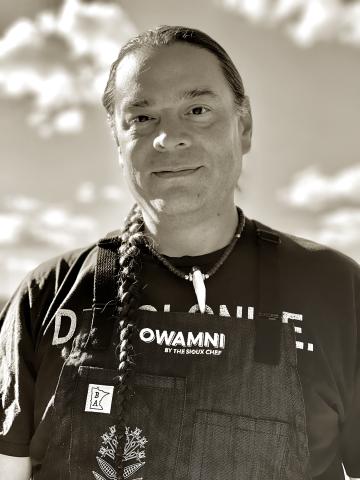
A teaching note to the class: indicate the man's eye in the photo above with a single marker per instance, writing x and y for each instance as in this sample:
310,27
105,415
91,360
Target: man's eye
141,119
199,110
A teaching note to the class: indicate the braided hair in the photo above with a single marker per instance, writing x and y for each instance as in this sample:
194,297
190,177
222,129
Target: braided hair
129,290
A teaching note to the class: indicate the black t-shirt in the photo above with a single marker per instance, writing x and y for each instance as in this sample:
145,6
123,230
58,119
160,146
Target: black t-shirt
319,292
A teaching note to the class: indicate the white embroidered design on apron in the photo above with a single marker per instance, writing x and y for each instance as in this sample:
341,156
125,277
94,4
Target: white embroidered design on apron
134,450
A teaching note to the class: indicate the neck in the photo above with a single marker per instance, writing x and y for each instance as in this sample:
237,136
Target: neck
179,235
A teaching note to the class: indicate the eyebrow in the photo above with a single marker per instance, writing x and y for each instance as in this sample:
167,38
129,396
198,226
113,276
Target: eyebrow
198,92
185,95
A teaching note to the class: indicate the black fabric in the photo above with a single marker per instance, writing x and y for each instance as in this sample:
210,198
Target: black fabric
268,333
105,291
268,319
319,296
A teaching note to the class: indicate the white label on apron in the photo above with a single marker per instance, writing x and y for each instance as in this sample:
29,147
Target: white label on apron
99,398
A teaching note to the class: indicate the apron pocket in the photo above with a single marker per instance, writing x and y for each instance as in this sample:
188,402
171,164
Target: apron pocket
158,409
148,452
234,447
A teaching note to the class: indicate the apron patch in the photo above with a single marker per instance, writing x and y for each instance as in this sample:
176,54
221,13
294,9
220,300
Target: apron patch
99,398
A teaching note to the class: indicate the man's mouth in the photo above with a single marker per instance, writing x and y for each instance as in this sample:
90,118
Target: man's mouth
176,173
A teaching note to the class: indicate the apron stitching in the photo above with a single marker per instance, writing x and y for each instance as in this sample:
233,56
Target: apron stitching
282,463
203,452
71,424
178,450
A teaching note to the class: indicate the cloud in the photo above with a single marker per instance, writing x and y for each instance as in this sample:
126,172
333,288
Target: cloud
28,222
306,21
339,229
43,225
69,120
21,203
88,193
10,227
314,191
52,228
334,204
61,60
61,227
14,266
113,193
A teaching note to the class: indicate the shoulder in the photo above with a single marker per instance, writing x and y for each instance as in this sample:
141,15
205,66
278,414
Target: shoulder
53,278
41,284
304,254
317,254
57,268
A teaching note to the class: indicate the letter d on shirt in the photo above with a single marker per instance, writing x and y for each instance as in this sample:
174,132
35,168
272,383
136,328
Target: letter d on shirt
60,316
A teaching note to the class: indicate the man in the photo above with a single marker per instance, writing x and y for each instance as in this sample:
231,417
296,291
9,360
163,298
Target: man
197,344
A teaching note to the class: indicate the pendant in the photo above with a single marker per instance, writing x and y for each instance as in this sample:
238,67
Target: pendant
199,288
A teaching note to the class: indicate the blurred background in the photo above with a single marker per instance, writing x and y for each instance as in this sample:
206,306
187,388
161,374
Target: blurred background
60,184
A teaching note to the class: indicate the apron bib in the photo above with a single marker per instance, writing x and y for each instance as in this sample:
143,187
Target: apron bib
215,398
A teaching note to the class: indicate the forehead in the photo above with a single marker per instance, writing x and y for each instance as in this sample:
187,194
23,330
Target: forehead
164,72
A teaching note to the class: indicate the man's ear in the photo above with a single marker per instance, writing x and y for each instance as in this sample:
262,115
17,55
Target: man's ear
246,122
120,159
112,125
121,163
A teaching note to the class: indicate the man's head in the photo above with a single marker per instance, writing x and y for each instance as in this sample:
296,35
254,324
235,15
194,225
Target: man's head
182,122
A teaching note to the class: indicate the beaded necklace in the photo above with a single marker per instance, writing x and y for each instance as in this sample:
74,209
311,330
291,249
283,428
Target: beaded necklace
195,275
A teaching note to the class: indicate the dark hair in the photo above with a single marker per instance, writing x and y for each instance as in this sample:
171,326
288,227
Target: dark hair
133,237
165,35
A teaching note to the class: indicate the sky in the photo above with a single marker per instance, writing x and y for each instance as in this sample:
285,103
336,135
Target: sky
60,184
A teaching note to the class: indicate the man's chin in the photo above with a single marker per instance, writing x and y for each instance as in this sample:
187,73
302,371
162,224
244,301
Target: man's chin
174,206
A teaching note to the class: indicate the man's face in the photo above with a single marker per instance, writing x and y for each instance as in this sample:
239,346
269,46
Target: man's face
180,135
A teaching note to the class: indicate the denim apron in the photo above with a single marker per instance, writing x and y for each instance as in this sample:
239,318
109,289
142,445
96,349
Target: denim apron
215,398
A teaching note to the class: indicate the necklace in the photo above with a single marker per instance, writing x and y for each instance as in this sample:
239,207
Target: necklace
195,275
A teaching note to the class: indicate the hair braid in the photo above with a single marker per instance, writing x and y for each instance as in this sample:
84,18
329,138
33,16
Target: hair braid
129,290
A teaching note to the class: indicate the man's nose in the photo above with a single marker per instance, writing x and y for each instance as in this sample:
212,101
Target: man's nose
171,137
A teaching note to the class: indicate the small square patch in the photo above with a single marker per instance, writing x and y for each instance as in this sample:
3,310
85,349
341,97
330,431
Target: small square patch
99,398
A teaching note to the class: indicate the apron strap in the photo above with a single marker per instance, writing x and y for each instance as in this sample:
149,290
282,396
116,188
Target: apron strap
105,292
268,315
